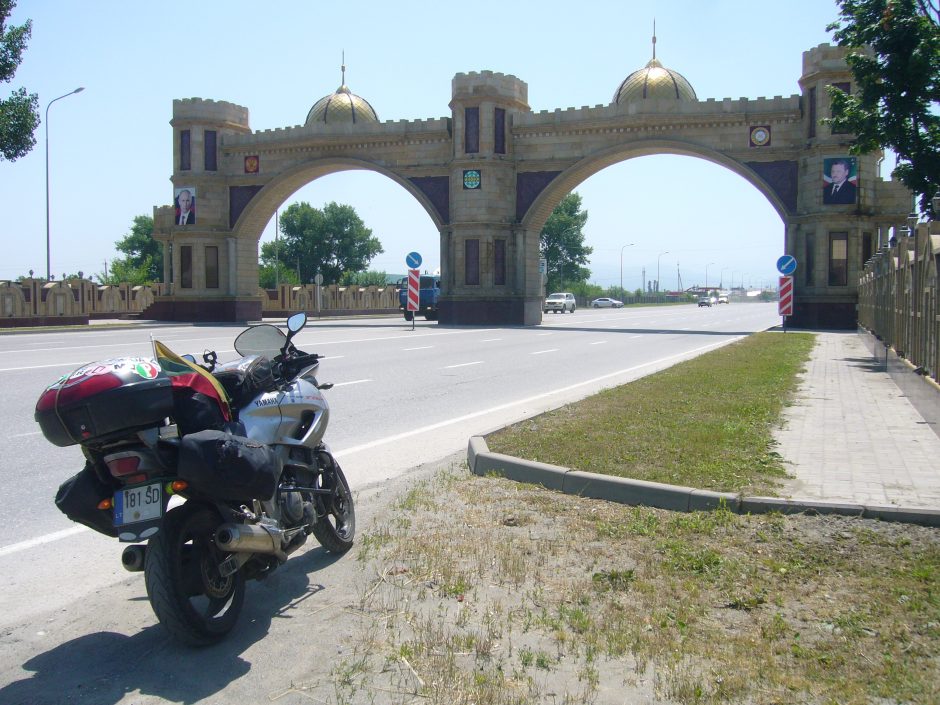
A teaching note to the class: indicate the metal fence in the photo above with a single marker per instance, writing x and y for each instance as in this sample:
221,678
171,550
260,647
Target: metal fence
898,298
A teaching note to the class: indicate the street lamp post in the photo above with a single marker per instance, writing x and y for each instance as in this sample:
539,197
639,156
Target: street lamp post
621,267
721,282
706,275
657,268
48,249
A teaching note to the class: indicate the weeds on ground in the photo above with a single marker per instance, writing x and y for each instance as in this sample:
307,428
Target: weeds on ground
490,600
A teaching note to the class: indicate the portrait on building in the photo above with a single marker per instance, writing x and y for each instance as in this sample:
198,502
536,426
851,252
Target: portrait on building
185,203
840,180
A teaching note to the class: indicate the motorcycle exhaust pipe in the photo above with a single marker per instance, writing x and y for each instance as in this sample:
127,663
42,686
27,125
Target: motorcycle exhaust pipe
248,538
133,558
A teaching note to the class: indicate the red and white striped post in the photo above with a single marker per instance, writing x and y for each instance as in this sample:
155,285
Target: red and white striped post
414,293
785,303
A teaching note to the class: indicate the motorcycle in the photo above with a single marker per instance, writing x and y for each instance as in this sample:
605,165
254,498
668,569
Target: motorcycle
213,473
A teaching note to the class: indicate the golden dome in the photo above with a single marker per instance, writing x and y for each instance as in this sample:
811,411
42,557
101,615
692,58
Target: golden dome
341,107
654,81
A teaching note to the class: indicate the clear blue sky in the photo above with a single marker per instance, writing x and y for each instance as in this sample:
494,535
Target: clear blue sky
111,145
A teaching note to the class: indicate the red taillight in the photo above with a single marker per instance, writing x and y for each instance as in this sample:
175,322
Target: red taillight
122,465
75,390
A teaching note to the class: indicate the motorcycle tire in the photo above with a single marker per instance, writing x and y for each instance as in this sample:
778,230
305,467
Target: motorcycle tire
192,600
335,527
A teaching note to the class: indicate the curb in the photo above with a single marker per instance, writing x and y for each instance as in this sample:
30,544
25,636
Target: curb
673,497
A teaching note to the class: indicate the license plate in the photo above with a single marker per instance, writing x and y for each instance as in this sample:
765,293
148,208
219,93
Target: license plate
136,504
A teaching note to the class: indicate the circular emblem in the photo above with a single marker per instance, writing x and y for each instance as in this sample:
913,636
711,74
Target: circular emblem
413,260
471,178
760,136
146,370
251,165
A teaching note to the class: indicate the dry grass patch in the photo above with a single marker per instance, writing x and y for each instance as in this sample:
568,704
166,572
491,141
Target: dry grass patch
596,601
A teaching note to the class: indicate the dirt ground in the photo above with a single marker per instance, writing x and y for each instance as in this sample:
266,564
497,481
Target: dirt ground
463,590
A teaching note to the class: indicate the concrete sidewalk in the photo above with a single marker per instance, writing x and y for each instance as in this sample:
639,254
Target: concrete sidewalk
853,436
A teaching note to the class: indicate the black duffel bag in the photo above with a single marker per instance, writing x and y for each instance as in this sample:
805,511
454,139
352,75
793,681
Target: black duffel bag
78,499
229,467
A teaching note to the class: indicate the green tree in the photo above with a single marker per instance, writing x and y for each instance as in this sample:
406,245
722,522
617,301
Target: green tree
19,114
561,243
898,88
274,273
368,278
143,263
330,241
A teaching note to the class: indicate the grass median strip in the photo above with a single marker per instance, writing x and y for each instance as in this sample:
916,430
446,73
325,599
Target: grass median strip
704,423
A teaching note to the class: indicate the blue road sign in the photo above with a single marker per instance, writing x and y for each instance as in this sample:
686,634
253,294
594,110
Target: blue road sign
786,265
413,260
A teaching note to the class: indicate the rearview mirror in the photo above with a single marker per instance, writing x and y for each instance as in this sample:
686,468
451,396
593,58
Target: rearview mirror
296,322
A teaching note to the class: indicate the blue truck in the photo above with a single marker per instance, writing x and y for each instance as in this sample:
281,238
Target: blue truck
429,294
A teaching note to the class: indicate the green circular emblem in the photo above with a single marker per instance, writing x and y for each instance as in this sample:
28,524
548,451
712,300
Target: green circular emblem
471,178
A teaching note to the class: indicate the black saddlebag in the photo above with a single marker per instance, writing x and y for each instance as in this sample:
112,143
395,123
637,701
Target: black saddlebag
78,499
229,467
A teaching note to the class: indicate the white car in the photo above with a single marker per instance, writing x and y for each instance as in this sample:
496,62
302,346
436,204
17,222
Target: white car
560,302
722,299
605,302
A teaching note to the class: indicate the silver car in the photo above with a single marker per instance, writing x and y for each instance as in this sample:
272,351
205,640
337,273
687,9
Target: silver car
606,302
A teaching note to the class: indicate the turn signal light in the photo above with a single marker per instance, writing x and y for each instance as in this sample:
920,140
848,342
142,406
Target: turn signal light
176,486
106,503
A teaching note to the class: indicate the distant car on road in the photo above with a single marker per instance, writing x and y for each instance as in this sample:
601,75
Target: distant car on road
722,299
559,302
705,301
605,302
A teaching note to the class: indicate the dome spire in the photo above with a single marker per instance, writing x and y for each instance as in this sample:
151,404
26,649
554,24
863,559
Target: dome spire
654,38
342,106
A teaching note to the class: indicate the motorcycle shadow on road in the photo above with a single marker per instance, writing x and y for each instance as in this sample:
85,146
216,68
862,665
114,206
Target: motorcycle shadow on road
106,666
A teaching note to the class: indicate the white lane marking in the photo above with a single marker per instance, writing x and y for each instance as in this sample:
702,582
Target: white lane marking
599,342
463,364
542,352
73,365
636,336
13,548
491,340
39,540
528,400
24,435
423,347
355,381
540,335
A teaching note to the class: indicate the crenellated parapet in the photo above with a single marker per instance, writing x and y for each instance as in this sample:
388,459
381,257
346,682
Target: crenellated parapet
217,112
479,85
396,131
748,109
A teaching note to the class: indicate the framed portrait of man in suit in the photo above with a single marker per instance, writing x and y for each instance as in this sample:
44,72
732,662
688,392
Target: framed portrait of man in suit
184,201
840,181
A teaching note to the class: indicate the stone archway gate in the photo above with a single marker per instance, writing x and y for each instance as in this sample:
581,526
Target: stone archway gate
490,175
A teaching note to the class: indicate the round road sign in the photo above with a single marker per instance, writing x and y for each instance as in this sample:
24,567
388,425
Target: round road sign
786,265
413,260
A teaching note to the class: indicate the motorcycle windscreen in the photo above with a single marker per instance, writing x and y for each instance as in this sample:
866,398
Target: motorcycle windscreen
266,340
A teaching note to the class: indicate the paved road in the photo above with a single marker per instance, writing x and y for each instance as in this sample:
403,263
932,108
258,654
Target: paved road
402,398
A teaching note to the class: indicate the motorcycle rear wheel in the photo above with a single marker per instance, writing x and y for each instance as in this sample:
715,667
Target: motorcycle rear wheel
335,527
192,600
